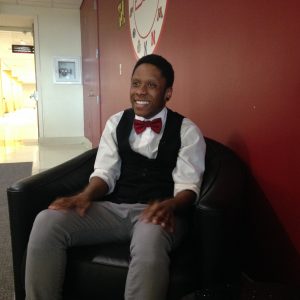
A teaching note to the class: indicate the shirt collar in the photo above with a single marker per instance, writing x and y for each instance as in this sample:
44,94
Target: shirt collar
162,114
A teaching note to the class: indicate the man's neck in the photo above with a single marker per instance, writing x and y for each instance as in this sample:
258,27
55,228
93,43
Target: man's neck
162,114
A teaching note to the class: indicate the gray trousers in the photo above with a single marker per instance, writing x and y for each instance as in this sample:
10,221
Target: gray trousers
54,231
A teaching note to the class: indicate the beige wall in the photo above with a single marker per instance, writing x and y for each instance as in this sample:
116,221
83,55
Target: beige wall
57,33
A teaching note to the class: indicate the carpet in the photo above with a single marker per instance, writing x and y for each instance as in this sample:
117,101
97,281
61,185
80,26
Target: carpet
9,173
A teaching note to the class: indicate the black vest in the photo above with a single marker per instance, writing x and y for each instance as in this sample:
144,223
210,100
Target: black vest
143,179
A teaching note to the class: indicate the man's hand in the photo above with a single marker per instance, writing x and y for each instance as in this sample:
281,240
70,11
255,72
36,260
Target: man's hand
160,213
96,189
80,203
163,213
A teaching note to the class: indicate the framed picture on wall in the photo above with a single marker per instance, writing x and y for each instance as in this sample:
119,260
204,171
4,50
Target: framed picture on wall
67,70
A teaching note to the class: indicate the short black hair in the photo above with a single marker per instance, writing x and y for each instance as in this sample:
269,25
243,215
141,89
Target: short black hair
161,63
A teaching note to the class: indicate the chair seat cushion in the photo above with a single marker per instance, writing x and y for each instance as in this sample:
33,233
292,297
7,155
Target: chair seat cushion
96,272
100,272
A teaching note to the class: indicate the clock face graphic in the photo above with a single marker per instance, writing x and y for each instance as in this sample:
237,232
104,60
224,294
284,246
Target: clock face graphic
146,18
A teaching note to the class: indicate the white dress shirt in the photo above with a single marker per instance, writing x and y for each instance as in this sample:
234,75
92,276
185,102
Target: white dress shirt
187,174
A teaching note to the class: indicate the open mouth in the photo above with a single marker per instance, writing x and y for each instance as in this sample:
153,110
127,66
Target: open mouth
141,102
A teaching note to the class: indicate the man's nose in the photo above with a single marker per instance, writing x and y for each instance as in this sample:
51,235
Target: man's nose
142,89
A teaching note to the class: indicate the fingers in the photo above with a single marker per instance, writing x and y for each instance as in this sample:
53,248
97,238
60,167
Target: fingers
169,223
61,204
81,209
159,214
149,213
78,203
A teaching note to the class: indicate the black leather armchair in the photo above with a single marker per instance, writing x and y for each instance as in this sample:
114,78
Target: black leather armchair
207,261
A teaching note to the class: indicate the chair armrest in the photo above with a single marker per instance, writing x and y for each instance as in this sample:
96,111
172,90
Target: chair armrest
27,197
225,178
217,216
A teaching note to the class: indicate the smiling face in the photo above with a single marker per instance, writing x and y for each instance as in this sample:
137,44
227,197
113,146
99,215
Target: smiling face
148,92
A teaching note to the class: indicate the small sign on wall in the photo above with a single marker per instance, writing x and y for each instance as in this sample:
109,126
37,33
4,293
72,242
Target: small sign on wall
22,49
67,70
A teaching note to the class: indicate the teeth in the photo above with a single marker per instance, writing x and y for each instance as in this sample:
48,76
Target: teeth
142,102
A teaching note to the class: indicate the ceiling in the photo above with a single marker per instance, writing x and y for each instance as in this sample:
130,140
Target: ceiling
46,3
18,30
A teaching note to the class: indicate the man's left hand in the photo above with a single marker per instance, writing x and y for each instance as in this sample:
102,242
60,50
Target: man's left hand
160,213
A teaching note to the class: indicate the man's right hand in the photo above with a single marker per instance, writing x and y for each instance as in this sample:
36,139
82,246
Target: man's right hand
96,189
80,203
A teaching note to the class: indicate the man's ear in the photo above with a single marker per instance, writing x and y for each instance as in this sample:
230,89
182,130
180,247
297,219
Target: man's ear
168,93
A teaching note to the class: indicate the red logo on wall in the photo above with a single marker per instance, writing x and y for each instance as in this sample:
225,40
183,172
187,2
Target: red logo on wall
146,18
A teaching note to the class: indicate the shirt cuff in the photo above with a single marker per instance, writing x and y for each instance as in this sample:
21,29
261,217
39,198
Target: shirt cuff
101,174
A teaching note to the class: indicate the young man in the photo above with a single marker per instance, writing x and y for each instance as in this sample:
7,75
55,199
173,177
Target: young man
148,172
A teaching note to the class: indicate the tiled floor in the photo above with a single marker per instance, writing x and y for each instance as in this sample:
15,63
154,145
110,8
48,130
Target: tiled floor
19,142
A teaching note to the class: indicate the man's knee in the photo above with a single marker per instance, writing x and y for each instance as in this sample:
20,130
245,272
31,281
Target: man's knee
47,228
150,240
48,219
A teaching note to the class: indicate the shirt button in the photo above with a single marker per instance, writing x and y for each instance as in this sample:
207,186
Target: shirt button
144,173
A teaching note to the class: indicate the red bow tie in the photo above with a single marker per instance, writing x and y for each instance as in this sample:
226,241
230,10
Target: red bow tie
140,126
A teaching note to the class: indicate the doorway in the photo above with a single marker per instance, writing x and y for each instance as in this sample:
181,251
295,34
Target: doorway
18,96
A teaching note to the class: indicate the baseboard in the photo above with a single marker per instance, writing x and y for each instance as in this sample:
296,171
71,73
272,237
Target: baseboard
65,141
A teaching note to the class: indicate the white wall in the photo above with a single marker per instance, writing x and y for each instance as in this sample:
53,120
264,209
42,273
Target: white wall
57,33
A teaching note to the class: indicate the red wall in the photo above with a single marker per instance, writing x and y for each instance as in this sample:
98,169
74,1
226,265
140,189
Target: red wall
237,68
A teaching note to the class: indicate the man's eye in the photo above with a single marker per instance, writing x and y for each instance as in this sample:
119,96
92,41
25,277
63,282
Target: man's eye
135,84
152,85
